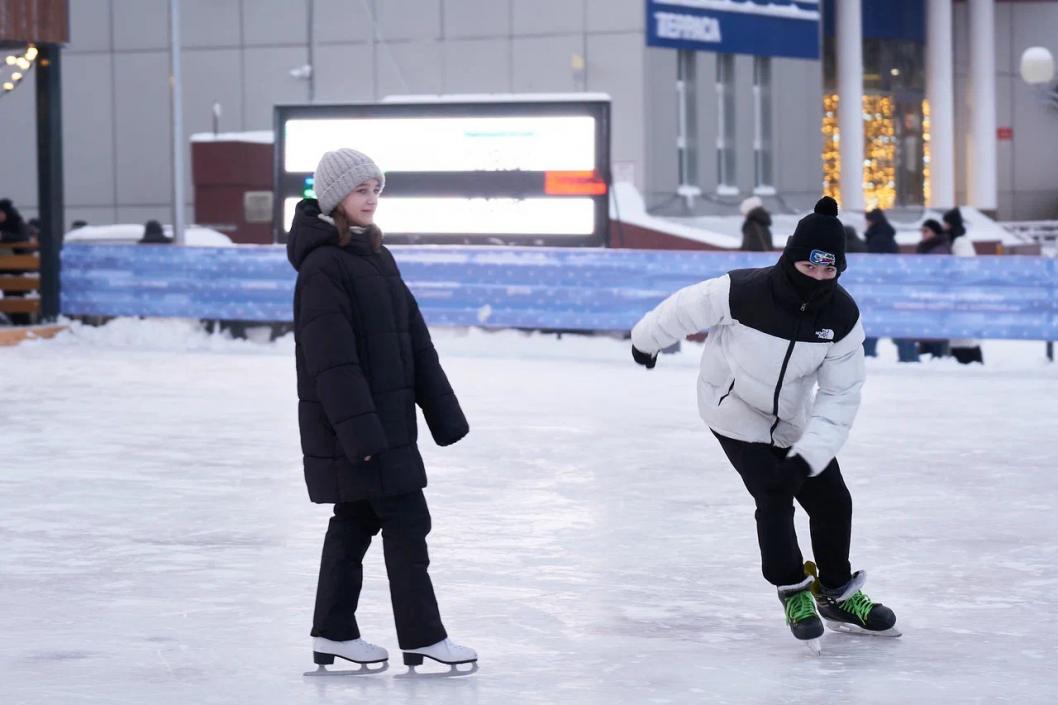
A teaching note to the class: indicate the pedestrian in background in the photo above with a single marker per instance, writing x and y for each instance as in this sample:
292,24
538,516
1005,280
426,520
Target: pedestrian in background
153,234
881,240
934,242
853,243
12,227
880,235
13,230
965,350
756,228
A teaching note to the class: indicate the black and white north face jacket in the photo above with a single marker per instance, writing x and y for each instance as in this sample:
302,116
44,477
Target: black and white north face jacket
765,353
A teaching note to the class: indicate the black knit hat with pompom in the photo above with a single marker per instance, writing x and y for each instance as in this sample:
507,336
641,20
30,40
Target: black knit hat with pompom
819,237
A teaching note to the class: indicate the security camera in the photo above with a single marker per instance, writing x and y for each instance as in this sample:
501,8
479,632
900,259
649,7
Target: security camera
302,73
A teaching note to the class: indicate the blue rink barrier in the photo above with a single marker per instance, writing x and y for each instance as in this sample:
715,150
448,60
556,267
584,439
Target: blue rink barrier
562,289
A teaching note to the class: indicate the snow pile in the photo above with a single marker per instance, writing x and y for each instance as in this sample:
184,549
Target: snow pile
627,206
170,335
196,236
725,231
771,9
495,97
188,335
979,227
255,136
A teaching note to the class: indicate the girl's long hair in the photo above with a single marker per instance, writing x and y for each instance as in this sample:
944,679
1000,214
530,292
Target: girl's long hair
345,235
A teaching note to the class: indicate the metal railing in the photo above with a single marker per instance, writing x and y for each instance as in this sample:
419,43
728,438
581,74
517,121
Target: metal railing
1042,232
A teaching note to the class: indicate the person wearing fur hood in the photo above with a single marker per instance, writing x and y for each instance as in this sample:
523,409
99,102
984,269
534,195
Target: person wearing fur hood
756,228
965,350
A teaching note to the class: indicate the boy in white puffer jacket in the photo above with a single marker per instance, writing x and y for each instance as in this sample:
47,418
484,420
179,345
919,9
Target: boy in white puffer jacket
775,334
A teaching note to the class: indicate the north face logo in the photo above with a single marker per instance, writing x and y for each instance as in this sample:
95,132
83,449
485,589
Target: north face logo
825,334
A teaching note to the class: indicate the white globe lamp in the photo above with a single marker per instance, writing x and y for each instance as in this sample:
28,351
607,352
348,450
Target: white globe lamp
1037,65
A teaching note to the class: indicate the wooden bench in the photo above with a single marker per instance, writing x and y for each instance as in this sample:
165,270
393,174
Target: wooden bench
20,275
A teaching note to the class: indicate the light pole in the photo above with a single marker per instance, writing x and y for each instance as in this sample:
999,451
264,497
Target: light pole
1037,69
177,121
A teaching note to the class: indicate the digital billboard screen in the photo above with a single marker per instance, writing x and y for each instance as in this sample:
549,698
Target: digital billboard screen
487,172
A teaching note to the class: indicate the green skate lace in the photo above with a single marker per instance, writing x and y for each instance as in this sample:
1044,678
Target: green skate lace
859,605
800,607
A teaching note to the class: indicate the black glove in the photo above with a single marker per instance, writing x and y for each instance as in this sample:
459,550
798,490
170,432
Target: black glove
790,473
644,359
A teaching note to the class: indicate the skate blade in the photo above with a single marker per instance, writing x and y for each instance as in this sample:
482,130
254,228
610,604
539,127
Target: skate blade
815,646
364,670
452,672
846,628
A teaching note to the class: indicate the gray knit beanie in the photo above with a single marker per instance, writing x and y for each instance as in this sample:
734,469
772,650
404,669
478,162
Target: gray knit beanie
341,171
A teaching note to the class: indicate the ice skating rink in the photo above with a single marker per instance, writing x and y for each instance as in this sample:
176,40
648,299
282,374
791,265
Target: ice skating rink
157,546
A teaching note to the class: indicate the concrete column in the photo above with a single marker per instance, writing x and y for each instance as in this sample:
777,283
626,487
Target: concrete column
981,161
849,38
940,92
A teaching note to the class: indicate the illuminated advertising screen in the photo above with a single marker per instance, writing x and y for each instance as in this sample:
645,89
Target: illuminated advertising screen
505,172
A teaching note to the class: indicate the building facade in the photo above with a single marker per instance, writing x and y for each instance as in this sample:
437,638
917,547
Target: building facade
724,125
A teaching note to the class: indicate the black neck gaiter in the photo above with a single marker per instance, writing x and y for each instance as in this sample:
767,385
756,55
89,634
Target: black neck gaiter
808,289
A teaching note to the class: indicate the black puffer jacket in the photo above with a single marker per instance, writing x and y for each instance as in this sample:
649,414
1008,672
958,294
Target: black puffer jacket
939,245
880,235
756,231
13,228
364,359
767,350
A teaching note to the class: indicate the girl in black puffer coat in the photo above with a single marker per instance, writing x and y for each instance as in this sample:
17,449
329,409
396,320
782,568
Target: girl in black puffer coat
364,360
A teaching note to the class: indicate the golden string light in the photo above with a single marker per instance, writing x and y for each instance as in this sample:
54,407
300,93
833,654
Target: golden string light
879,163
927,193
18,64
831,148
879,159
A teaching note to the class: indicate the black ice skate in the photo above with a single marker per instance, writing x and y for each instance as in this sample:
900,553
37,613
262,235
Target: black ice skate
801,613
847,609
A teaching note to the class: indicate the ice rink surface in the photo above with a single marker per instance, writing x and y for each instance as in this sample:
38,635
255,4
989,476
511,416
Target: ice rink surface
590,541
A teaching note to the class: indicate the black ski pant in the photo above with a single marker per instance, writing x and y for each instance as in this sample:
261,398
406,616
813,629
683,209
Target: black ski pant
404,521
824,497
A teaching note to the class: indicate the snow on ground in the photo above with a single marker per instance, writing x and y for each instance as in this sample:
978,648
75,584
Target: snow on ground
589,539
194,235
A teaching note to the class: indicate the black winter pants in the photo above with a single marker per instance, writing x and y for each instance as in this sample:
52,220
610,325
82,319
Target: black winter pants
824,497
404,521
